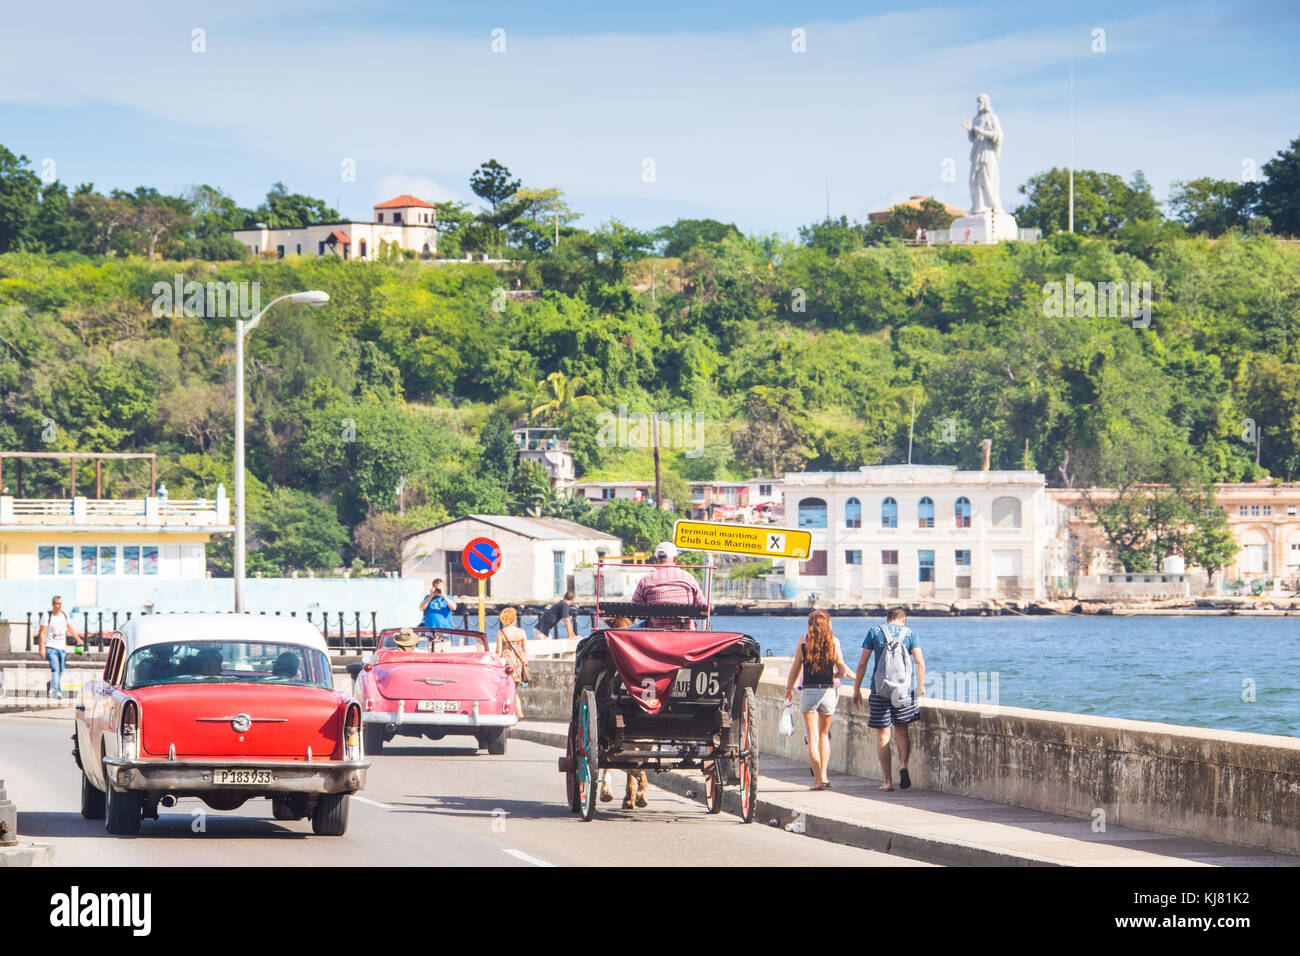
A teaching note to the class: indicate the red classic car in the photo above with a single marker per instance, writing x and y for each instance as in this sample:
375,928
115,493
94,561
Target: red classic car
423,682
222,707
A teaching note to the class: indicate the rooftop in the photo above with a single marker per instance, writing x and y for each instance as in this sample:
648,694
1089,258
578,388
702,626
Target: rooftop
910,475
405,201
538,529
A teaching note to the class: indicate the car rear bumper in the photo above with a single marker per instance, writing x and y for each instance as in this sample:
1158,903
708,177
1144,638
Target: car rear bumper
420,719
333,776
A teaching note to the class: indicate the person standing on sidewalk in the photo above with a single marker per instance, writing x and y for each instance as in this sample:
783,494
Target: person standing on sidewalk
55,630
819,659
895,687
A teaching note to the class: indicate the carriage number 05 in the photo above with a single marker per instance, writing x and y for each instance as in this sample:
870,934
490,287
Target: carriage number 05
706,684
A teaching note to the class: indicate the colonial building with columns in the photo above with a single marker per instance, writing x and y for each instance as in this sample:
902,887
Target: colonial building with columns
406,223
916,532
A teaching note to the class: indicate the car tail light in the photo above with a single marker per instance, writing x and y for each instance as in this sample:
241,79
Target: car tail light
352,733
367,666
370,703
130,736
509,670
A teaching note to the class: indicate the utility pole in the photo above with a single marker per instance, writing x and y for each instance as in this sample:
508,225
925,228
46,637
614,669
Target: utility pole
659,487
910,427
1071,146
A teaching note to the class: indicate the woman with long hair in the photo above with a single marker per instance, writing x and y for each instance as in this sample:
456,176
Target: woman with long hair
512,648
819,659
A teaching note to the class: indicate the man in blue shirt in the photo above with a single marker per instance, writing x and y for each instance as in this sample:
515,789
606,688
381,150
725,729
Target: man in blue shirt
902,709
436,608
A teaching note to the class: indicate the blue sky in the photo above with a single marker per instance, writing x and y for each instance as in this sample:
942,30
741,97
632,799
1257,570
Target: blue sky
739,126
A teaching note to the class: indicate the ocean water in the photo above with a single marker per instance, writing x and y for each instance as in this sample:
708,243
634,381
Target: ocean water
1227,673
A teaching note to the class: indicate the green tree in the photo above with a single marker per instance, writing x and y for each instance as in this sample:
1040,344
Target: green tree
491,182
285,210
774,434
685,234
562,398
20,195
1211,206
639,523
1102,201
1279,194
297,532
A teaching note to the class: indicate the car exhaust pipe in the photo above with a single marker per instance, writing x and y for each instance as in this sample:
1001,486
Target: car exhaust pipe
168,801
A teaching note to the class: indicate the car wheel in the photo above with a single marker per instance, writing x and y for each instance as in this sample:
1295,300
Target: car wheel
330,818
374,739
497,742
122,811
92,799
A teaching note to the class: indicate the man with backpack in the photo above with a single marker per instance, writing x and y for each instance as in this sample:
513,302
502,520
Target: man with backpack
895,686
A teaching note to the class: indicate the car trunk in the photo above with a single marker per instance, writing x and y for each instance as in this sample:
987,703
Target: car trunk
179,714
409,680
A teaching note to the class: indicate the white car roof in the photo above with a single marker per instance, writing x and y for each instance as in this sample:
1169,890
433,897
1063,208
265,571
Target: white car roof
172,628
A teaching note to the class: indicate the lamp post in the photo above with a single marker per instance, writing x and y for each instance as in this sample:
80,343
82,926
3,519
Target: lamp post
242,328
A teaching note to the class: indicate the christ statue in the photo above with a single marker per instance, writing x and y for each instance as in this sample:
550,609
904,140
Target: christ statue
985,154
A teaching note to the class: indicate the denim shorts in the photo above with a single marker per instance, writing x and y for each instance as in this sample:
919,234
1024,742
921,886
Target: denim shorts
820,699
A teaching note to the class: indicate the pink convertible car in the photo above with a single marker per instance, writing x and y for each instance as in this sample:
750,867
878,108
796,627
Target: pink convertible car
423,682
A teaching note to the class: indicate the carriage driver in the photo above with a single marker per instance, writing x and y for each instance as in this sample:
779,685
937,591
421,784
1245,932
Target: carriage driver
668,584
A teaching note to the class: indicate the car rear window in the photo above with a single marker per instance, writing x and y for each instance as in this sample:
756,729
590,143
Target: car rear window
227,662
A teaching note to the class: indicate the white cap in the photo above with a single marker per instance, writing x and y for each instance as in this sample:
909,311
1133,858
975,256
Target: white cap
666,549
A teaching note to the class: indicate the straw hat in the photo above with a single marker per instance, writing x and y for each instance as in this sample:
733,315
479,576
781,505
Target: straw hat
406,639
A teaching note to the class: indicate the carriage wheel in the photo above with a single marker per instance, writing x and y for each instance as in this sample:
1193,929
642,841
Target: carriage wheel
586,748
713,787
571,775
748,759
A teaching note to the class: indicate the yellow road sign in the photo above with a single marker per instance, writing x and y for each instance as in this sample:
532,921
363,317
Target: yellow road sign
742,539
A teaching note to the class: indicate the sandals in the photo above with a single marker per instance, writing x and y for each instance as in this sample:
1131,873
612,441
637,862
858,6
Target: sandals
904,781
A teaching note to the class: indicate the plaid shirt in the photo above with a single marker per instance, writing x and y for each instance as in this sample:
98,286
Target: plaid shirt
669,584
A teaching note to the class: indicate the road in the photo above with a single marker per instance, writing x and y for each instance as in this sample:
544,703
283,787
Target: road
429,804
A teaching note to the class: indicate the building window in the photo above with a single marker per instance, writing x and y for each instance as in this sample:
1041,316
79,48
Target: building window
381,217
961,558
279,251
1243,510
1268,509
320,249
607,493
363,248
853,513
812,513
889,558
397,217
88,563
815,566
1077,510
765,491
1255,559
107,559
149,559
889,513
131,559
852,557
300,248
1295,555
925,513
925,562
1006,512
962,512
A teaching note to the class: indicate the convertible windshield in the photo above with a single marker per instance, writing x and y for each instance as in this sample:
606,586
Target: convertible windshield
227,662
435,642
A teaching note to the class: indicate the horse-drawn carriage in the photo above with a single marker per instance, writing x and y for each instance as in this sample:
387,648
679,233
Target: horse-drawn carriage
663,698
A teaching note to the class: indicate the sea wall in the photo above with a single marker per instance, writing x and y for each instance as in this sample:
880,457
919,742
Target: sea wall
1222,786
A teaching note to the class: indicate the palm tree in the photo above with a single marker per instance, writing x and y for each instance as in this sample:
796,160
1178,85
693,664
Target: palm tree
564,398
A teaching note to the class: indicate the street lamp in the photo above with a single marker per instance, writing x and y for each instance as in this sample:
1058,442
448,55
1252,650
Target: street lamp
242,328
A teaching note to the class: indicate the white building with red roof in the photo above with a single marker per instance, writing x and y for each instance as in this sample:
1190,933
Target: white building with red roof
406,223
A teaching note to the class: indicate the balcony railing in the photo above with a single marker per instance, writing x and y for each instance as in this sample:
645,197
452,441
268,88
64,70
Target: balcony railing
57,511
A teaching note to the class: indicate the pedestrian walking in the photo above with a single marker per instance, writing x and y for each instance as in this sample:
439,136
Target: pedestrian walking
512,647
895,686
819,660
52,642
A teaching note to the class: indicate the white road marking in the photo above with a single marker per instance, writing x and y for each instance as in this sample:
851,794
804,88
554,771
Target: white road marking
373,803
520,855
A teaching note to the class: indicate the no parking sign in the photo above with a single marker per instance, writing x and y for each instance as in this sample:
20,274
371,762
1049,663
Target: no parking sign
481,559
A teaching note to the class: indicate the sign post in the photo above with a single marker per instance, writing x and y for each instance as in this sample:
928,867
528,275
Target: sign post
481,559
742,539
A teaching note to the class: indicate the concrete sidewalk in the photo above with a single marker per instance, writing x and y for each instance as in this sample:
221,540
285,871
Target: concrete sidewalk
936,827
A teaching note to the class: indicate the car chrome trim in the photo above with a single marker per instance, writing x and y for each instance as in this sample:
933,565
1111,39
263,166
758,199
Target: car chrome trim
340,776
438,719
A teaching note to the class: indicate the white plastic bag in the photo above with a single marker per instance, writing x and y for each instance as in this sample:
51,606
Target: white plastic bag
786,727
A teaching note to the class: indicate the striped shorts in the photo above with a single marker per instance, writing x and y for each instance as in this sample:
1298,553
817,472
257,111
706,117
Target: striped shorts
884,714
